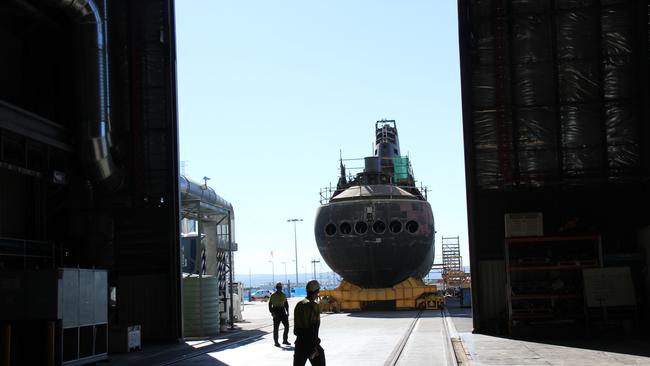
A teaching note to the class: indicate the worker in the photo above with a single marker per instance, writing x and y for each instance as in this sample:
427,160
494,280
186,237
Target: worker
306,321
279,308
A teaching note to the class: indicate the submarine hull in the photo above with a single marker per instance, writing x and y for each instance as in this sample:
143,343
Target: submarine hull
376,258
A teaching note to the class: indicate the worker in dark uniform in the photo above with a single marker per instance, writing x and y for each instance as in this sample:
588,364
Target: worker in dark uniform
306,321
279,308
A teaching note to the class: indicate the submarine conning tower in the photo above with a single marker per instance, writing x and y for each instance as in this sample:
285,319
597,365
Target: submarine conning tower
386,141
386,166
379,169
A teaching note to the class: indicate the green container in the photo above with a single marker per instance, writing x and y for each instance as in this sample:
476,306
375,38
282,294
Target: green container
200,306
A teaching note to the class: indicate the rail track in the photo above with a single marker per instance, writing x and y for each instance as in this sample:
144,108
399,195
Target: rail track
243,337
449,347
394,357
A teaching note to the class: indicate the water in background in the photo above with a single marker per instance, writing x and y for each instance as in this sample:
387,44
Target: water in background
298,292
295,292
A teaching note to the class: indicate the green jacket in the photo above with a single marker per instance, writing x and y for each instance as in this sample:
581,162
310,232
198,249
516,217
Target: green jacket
306,321
278,305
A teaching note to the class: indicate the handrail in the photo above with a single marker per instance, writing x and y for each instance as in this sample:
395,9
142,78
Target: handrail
27,248
404,162
326,193
25,240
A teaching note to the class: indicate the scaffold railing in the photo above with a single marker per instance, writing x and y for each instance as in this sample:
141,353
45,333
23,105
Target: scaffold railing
453,274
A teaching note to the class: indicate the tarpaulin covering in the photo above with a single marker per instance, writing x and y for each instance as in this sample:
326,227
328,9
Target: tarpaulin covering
556,90
400,168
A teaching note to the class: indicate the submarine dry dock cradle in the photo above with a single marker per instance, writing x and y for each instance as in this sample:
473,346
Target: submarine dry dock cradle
376,231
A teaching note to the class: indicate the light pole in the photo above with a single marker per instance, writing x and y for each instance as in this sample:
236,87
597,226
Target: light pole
272,273
285,272
314,261
295,244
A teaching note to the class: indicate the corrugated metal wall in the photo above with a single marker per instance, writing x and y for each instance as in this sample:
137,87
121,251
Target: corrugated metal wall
491,277
22,192
145,300
147,238
16,205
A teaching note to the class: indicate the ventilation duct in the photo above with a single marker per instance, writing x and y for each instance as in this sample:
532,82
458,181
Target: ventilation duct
93,91
210,202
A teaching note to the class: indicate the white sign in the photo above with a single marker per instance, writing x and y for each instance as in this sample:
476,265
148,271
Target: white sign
608,286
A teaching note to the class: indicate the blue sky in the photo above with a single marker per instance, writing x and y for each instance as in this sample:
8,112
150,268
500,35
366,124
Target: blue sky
269,92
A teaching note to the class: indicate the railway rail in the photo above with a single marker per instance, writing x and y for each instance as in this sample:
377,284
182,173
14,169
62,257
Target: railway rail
394,357
398,356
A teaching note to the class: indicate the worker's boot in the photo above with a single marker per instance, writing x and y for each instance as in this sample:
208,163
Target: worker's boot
286,342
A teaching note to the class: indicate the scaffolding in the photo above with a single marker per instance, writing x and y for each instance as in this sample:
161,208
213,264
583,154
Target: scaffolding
453,274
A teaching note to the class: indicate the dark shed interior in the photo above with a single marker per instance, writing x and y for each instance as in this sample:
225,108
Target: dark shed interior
555,113
88,168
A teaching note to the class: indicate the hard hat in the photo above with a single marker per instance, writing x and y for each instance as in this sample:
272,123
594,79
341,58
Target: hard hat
278,285
313,286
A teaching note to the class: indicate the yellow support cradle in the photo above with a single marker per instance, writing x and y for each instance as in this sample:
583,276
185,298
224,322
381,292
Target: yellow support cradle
407,294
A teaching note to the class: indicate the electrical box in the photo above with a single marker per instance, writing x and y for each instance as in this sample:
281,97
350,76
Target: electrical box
524,224
74,299
124,339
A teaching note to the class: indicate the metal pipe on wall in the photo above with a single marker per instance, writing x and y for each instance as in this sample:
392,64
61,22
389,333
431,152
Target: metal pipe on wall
94,91
191,190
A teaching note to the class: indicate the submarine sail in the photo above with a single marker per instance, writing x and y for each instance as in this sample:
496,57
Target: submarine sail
377,229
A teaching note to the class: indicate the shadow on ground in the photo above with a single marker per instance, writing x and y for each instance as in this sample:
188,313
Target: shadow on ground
169,354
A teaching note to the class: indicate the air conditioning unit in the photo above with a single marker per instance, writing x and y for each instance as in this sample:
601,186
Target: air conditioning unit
524,224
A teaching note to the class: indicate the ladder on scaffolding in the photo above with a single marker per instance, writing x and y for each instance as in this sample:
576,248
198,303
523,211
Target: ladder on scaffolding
452,262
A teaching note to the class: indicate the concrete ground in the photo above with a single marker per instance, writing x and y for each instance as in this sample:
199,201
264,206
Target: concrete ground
361,338
489,350
371,338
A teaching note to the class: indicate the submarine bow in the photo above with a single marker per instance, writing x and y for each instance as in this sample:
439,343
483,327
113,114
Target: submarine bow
377,228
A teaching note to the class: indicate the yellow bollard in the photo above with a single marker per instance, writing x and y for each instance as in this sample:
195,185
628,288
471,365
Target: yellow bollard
6,344
50,343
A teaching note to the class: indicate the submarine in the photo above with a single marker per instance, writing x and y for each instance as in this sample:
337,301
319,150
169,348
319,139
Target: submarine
376,228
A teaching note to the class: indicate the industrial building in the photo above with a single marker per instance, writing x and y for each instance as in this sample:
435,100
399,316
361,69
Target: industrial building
207,246
556,109
88,174
555,113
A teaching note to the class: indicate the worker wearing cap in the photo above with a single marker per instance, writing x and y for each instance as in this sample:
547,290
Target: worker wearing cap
306,321
279,308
